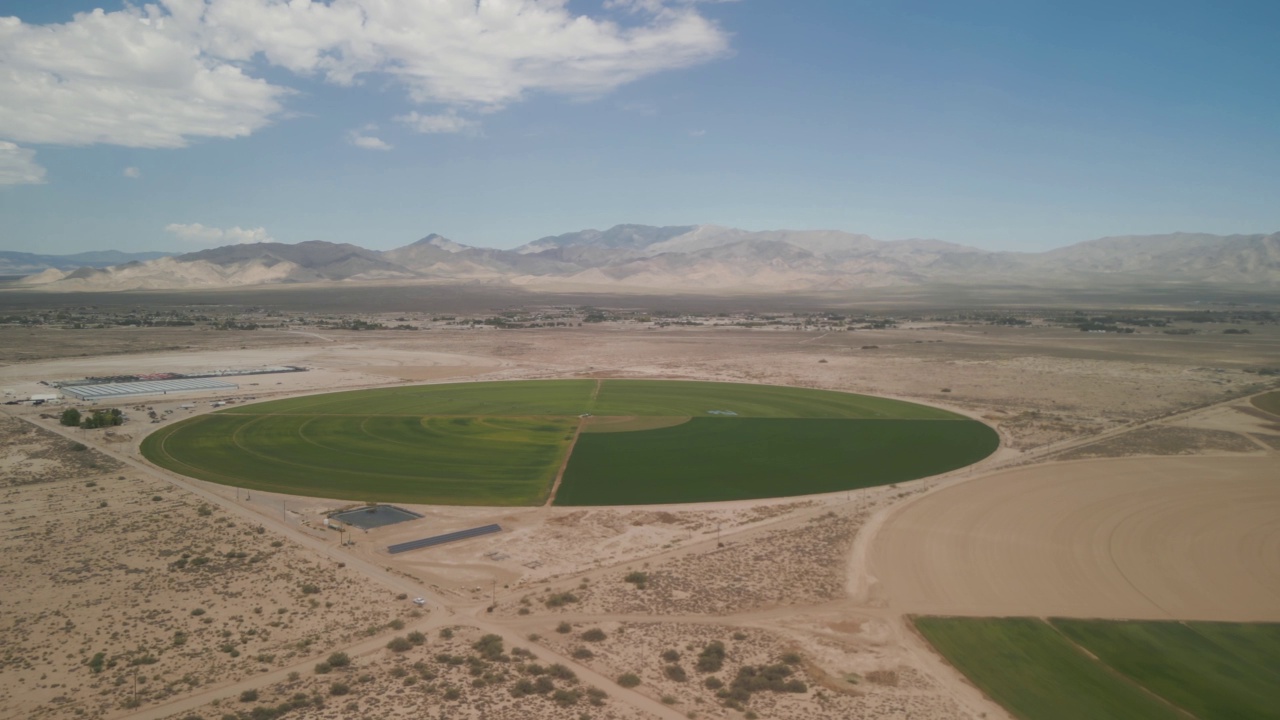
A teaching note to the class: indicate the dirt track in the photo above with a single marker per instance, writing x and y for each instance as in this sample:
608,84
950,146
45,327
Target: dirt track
1153,538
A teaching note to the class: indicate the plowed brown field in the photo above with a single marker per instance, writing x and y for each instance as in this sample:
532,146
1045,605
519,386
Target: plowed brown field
1149,538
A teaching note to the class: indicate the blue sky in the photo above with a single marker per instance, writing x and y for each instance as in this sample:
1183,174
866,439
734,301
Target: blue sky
1004,125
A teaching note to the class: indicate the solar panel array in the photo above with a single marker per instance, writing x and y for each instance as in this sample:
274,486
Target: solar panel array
442,539
151,387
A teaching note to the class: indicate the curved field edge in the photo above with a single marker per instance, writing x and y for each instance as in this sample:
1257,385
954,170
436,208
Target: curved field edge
667,398
716,459
502,443
1268,402
1100,669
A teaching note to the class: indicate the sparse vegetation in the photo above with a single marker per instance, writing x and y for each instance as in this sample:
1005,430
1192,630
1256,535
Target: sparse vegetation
561,599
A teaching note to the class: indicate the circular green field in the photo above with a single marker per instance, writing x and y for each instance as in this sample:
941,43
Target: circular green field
609,442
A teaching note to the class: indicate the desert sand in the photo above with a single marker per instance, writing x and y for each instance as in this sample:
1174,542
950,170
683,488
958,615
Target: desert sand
1132,482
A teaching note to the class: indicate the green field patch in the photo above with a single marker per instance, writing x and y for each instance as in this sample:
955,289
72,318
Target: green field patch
702,399
542,397
1215,671
1036,673
502,443
629,423
454,460
1269,402
733,458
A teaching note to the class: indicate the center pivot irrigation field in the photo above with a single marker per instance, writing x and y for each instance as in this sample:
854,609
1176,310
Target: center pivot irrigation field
615,442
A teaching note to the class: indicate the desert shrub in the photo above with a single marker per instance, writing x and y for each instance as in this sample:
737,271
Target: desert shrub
543,685
671,655
339,689
713,683
399,643
249,696
446,633
637,578
675,672
791,658
197,612
522,687
593,635
774,678
396,624
582,654
339,659
596,696
489,646
561,599
564,627
711,659
560,672
629,680
323,668
565,698
452,693
669,700
97,662
310,589
416,638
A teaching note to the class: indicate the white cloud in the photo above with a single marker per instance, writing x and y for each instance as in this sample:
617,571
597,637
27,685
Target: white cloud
205,235
18,166
448,122
363,139
697,133
369,142
132,173
484,53
136,77
163,74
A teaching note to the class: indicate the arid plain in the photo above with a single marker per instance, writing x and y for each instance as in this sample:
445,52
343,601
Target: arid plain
1134,480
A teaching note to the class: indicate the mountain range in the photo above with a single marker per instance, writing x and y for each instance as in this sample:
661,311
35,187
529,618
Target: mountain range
693,258
22,263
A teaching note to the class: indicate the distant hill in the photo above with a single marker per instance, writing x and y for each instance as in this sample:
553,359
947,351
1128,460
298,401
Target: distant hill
699,258
22,263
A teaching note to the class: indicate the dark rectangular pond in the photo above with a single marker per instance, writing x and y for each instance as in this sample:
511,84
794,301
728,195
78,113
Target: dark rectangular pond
375,516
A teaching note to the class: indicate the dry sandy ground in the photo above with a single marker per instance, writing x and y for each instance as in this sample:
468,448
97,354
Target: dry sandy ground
1185,539
829,578
101,559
